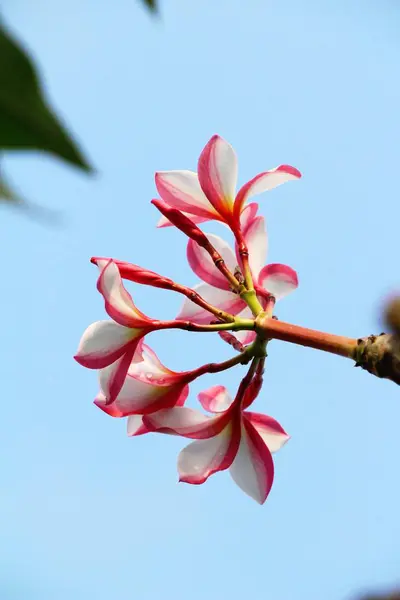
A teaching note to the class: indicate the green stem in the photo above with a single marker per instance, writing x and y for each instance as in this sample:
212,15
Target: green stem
250,297
237,325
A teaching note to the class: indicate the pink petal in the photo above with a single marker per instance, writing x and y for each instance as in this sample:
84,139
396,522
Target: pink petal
249,212
181,189
216,399
253,468
202,458
217,171
135,426
278,280
104,342
221,299
272,433
264,182
119,304
164,222
186,422
202,263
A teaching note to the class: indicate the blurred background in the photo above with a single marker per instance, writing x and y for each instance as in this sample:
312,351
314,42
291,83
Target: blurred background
87,512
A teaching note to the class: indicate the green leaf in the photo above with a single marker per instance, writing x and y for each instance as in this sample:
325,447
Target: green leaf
26,121
151,5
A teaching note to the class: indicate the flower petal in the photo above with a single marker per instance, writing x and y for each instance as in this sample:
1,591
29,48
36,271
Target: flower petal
216,399
135,426
181,189
249,212
253,468
113,377
186,422
269,429
263,182
104,342
118,302
279,280
221,299
143,390
202,458
255,236
217,172
164,222
203,265
110,409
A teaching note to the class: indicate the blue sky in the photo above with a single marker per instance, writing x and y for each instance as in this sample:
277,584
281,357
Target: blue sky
87,512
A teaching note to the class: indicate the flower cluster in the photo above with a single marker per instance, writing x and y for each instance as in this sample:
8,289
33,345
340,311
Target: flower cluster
235,298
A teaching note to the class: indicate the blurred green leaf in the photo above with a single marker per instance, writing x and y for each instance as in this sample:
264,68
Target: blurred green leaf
45,216
151,5
7,194
26,121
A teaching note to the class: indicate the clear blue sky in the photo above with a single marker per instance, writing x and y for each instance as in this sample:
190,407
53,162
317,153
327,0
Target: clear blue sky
87,512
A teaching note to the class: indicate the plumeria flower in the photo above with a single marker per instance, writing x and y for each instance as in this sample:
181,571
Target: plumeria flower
149,386
273,279
210,193
113,343
241,441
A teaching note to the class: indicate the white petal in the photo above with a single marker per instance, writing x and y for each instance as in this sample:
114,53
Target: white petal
202,458
257,244
279,280
181,189
135,425
203,265
185,422
253,468
119,304
264,182
217,171
269,429
103,343
221,299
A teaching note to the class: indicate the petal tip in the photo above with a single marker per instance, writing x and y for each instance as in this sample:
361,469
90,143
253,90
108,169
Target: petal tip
290,171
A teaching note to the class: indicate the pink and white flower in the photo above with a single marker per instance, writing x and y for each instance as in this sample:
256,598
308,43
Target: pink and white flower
114,343
241,441
149,386
211,192
274,279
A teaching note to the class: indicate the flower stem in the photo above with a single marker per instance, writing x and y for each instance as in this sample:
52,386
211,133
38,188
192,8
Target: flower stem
250,297
238,359
249,294
327,342
221,266
197,299
146,277
244,256
246,382
237,325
